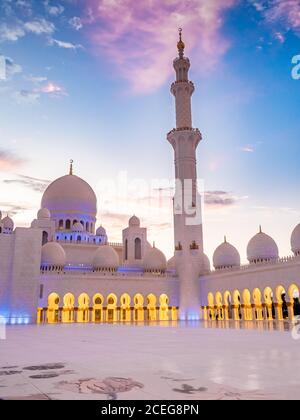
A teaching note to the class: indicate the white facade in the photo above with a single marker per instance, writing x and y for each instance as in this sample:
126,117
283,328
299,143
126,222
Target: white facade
63,267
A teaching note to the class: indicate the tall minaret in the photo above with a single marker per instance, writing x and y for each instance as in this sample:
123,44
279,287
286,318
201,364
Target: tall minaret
187,202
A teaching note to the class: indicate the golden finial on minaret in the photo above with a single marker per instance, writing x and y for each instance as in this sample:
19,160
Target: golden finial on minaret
71,167
180,44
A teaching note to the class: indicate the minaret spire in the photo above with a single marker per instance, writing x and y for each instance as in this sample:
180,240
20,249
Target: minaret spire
180,44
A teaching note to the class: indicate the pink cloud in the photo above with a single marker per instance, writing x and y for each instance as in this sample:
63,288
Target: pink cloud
286,12
52,89
140,36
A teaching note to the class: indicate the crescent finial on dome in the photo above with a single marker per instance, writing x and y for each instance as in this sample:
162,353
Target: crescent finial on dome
71,167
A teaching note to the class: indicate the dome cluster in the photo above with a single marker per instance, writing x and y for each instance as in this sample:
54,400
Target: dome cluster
261,248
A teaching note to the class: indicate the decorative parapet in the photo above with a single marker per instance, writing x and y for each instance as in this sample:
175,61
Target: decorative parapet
270,263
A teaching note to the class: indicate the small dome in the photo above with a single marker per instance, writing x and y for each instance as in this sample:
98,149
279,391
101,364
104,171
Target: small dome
226,255
295,240
154,260
171,264
101,231
7,223
43,214
77,227
106,257
134,221
53,254
262,248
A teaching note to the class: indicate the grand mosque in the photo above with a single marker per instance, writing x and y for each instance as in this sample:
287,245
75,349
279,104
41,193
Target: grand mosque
63,269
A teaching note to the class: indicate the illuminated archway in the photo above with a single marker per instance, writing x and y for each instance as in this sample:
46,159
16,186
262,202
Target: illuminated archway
227,305
258,307
211,307
281,305
219,304
53,308
83,308
247,305
164,307
68,309
269,302
138,307
98,301
151,307
125,314
112,301
237,314
293,304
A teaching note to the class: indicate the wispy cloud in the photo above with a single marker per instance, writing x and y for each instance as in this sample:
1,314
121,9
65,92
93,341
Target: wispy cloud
9,160
14,31
53,10
286,12
137,35
11,32
12,208
280,15
40,26
64,44
11,68
248,148
217,199
35,184
76,23
51,88
25,96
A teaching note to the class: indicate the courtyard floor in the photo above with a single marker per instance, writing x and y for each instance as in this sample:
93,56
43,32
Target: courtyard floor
187,361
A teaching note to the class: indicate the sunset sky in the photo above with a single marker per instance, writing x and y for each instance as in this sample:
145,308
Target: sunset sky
89,80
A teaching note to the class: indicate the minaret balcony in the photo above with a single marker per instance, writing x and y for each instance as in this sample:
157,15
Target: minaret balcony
193,130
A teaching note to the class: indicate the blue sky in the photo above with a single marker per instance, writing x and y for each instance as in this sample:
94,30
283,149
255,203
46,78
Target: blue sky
89,80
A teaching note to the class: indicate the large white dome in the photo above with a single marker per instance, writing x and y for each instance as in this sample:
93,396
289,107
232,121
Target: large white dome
262,248
70,195
226,255
295,240
154,260
53,254
106,257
